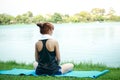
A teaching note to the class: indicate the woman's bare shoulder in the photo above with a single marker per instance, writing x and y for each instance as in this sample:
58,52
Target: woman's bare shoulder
53,40
38,42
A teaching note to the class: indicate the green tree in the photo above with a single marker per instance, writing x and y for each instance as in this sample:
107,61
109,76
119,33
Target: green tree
74,19
5,18
18,19
111,14
56,18
98,11
66,18
29,14
83,16
97,14
114,18
38,18
24,18
27,17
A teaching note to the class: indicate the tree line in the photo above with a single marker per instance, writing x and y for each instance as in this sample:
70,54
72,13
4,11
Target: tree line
96,14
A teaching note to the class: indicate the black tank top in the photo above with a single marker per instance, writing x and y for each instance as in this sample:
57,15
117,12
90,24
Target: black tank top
47,63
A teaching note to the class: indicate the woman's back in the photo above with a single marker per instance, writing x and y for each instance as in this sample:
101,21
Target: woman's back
47,63
50,45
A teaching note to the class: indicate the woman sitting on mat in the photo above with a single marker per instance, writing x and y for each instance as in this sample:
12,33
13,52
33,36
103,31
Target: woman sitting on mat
47,54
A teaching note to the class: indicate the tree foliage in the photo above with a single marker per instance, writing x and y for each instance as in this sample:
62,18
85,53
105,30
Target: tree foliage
56,18
96,14
5,19
38,18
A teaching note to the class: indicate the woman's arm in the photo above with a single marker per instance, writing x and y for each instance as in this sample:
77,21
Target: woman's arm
36,53
57,52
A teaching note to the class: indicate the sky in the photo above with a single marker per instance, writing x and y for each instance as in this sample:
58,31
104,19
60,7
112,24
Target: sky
16,7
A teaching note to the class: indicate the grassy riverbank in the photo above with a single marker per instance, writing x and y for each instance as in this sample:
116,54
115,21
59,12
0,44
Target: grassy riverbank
112,75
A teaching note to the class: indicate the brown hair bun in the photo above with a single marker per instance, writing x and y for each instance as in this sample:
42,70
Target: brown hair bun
45,27
40,25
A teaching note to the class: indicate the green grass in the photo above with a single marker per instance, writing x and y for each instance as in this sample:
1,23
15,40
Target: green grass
114,73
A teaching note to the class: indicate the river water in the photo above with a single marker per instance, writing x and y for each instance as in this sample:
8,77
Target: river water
78,42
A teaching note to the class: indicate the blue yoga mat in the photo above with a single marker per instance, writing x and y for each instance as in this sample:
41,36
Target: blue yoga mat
80,74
